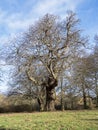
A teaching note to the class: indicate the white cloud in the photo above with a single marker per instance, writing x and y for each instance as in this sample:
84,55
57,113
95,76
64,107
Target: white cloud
55,6
3,39
20,21
2,15
40,8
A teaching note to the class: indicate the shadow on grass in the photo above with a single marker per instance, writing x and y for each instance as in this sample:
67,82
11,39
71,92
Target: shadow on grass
90,119
2,128
94,121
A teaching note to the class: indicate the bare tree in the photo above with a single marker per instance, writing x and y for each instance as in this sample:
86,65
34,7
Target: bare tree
44,51
79,78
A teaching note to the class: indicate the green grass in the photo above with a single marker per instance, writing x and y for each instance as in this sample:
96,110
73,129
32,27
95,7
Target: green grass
68,120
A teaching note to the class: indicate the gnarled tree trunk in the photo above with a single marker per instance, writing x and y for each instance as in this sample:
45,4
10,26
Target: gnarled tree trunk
50,99
50,95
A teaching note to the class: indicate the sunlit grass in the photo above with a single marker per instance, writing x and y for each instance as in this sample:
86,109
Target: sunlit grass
68,120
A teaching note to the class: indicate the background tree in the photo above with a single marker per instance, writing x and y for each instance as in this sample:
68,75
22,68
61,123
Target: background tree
96,68
80,78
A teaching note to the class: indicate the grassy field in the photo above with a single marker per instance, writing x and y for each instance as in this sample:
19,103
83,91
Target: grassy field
68,120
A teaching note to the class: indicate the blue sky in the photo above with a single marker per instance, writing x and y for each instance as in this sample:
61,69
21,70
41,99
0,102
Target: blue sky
17,15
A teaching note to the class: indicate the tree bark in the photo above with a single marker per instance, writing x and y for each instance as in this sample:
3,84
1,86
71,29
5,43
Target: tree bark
96,89
84,98
97,101
62,96
50,95
41,104
50,99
